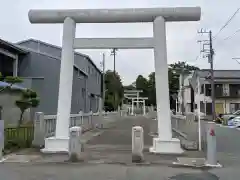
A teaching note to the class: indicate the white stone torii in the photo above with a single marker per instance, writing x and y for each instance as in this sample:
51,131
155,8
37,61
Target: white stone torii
130,93
164,143
139,100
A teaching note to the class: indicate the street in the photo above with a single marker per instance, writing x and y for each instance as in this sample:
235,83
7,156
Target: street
228,146
109,157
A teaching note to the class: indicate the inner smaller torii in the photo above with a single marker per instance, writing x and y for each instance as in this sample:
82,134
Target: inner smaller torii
139,100
133,95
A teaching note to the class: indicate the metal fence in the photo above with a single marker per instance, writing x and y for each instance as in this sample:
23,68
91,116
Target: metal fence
18,136
186,128
45,125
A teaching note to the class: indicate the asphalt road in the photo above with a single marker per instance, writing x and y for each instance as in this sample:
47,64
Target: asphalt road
228,146
115,144
99,172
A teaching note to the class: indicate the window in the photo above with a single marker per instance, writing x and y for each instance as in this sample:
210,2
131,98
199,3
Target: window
207,89
195,106
202,89
208,108
202,107
218,90
234,90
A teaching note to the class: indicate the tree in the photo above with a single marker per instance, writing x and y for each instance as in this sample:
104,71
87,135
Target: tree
174,71
142,84
9,79
29,99
114,90
182,66
151,89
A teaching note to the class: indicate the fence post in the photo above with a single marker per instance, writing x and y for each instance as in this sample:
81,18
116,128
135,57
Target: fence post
1,139
90,119
39,130
81,117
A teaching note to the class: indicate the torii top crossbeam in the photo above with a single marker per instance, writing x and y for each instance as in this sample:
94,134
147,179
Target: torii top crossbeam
115,15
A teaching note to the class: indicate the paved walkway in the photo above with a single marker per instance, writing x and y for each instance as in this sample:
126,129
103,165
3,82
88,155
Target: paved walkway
111,149
114,145
111,145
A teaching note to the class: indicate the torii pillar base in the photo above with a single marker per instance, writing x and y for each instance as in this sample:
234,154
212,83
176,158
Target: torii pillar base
160,146
56,145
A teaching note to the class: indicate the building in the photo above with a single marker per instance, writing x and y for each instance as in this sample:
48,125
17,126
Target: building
227,91
184,100
38,63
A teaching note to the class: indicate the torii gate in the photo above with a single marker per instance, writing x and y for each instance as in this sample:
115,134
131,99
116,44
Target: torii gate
164,143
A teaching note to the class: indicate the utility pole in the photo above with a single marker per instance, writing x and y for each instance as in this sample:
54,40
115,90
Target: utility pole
103,80
114,53
210,53
182,91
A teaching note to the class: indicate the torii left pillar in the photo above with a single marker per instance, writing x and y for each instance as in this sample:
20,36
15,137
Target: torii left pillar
59,143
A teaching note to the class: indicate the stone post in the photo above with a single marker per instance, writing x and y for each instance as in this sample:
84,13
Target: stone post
39,130
137,144
75,146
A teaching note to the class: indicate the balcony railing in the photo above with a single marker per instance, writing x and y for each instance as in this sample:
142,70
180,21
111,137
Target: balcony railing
230,95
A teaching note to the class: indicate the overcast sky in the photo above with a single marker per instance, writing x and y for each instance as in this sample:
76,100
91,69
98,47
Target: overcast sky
181,37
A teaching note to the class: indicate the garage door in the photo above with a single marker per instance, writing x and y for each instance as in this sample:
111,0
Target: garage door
219,108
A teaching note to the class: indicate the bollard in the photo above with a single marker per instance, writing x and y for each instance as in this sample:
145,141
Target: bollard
211,145
1,139
137,144
75,146
39,130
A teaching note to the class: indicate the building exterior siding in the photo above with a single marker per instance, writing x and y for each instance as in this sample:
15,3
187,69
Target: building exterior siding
43,62
224,101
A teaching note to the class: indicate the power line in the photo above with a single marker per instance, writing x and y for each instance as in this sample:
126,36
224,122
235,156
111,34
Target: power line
225,25
229,37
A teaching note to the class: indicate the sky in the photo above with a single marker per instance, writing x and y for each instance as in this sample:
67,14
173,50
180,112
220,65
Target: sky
182,37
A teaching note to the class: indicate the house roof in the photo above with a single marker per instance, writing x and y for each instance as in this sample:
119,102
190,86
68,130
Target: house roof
15,87
221,74
12,47
60,48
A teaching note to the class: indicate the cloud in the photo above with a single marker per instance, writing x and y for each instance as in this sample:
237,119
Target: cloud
181,37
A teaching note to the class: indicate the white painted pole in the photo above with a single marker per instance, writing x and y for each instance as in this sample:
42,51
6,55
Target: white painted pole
199,114
176,107
144,108
137,100
66,77
132,106
161,76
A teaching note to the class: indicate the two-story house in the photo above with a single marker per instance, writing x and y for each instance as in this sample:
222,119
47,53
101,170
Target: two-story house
38,63
227,91
184,99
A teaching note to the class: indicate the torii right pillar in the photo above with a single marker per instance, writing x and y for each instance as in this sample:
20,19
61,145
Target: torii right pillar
164,143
